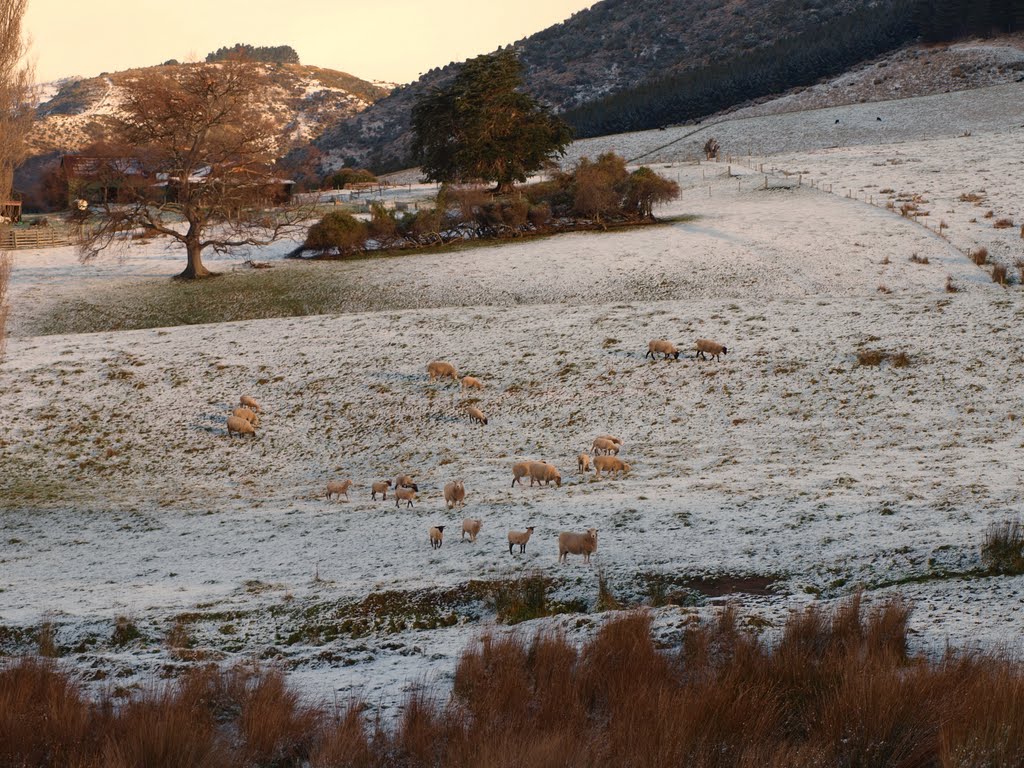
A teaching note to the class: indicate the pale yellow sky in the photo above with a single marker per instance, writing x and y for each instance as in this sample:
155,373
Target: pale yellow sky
392,40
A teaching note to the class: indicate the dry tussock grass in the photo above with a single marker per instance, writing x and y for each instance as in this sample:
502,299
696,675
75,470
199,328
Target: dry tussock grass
839,688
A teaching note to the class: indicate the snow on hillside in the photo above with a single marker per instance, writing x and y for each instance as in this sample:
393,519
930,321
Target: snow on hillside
793,462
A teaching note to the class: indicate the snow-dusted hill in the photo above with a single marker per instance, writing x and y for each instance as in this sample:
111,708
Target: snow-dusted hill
302,99
794,462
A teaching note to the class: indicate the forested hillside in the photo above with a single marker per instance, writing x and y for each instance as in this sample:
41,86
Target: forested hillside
633,64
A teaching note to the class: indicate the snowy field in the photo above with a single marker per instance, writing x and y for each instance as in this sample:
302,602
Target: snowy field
784,473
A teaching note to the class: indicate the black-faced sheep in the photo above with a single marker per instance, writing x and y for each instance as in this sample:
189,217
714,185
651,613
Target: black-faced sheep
662,346
520,538
710,347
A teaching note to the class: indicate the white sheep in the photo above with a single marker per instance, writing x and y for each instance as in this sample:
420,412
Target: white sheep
241,426
519,471
520,538
338,488
543,472
582,463
662,346
471,382
438,369
405,494
577,544
602,446
455,493
472,527
610,464
381,488
248,415
710,347
249,402
436,536
476,414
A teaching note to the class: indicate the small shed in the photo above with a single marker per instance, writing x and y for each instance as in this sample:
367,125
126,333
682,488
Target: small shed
10,211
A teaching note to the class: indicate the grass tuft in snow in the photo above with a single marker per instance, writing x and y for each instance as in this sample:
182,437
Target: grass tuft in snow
1003,549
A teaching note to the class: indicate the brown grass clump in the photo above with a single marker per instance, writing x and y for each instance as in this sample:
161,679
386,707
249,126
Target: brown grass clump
971,197
838,688
1019,264
979,256
989,214
951,287
1003,548
872,358
1000,274
915,259
1003,223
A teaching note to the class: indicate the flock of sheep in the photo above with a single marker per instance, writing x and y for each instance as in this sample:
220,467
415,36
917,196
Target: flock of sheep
605,448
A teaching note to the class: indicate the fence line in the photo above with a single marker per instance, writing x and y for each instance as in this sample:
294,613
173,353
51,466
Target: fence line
37,237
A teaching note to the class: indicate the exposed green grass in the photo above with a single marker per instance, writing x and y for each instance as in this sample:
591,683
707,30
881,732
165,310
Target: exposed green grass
291,289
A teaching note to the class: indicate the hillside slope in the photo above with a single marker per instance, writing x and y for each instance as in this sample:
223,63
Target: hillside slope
302,99
614,45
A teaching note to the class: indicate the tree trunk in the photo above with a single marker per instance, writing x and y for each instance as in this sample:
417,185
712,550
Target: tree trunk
195,268
504,188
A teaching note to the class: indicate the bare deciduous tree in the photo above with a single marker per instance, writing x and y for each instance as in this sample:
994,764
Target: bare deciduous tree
712,148
16,112
202,166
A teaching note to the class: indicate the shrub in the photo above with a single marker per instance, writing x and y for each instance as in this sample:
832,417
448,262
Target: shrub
337,231
125,631
979,256
1003,223
383,226
346,176
645,189
951,287
522,599
870,357
1003,549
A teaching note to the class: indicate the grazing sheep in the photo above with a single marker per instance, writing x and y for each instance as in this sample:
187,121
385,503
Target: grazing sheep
441,370
381,488
338,487
245,413
613,438
405,494
665,347
405,481
455,493
544,472
582,464
241,426
610,464
249,402
712,348
472,527
519,471
471,382
436,536
577,544
520,538
477,414
604,446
